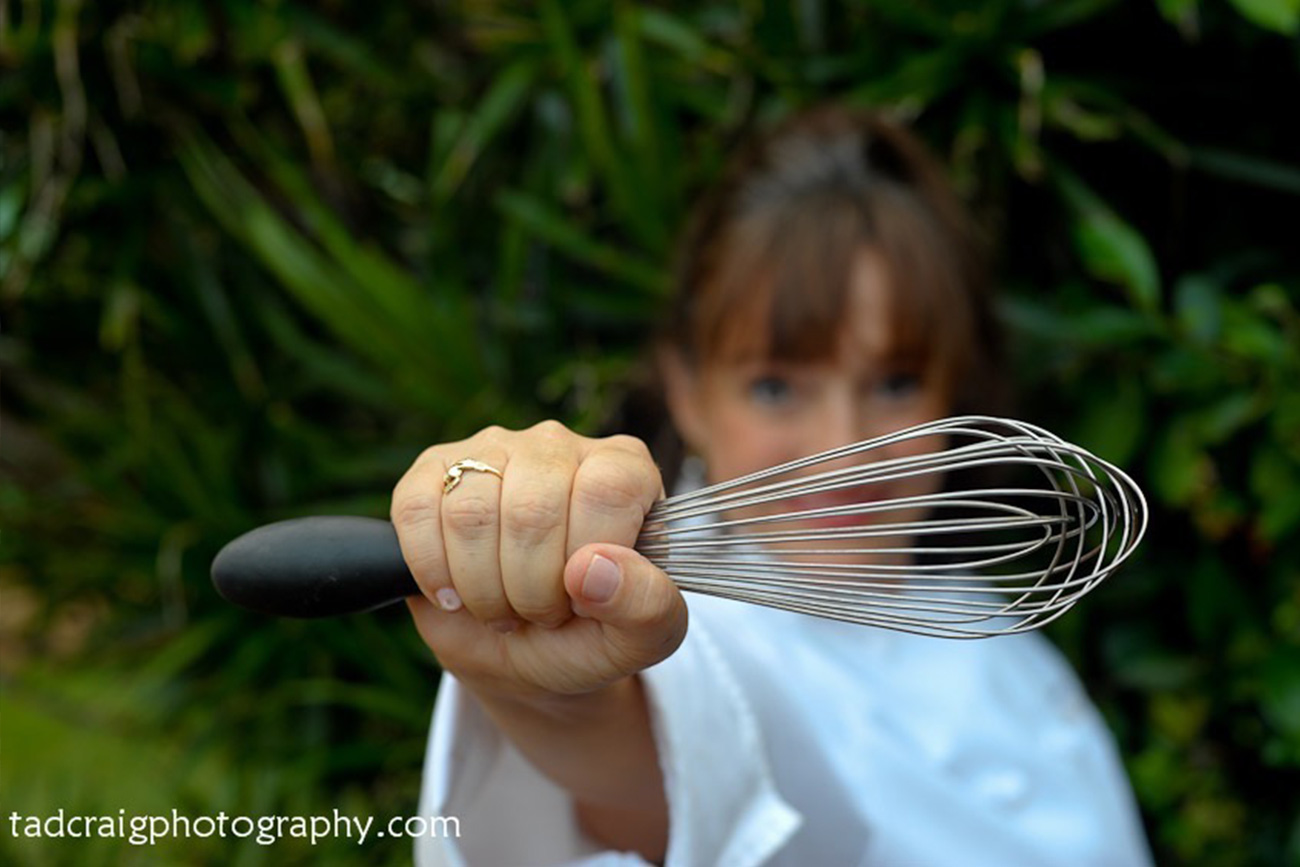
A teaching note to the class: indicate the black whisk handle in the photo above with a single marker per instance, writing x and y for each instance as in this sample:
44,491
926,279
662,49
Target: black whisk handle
314,567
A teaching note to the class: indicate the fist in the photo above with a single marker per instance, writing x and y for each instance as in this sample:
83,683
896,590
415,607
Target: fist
529,582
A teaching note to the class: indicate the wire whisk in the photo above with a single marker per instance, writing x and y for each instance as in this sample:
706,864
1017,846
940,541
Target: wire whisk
988,560
893,532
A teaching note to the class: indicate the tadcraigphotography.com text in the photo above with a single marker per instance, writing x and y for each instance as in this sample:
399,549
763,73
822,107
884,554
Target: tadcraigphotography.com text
147,830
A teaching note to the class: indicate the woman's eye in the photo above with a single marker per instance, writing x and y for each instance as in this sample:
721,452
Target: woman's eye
898,385
771,390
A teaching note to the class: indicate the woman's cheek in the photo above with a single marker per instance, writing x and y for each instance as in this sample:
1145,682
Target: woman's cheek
745,445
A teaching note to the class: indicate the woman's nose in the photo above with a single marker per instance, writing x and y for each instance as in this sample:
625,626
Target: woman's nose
841,421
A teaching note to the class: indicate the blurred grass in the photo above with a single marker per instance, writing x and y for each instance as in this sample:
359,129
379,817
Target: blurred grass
254,257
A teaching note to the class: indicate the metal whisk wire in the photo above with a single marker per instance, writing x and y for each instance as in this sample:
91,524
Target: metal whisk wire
1012,559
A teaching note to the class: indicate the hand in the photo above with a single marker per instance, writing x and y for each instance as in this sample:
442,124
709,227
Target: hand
530,585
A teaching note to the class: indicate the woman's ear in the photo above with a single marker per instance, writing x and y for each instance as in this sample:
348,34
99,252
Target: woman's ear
682,394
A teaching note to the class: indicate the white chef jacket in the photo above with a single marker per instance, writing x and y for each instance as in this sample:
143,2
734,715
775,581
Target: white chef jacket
789,740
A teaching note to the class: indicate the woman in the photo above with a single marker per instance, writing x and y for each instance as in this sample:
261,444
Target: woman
828,291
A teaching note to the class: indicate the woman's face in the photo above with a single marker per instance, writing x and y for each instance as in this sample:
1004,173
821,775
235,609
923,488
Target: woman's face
752,413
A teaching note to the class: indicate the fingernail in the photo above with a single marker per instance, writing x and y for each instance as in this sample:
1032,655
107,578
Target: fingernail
448,599
508,624
601,581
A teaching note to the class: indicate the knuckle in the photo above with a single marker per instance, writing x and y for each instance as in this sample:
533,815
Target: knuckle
630,444
534,515
490,435
550,429
611,486
551,442
468,516
415,510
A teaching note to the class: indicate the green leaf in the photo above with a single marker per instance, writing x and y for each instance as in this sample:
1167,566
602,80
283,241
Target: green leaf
1111,249
347,51
1275,480
1182,14
1197,308
1109,326
11,205
498,107
377,309
918,81
1252,337
1280,692
626,193
1271,299
1047,17
1033,316
1249,169
1280,16
121,316
243,212
920,19
399,300
1216,601
1179,466
300,92
1178,716
1227,416
1160,775
550,225
663,28
323,367
1114,423
215,302
637,114
1063,111
1142,664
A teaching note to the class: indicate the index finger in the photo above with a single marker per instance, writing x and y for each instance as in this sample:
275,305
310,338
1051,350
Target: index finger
416,513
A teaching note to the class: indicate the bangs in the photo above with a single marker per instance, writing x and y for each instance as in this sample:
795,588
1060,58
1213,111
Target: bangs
784,286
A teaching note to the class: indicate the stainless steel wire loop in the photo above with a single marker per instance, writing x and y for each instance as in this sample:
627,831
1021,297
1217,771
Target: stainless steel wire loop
962,561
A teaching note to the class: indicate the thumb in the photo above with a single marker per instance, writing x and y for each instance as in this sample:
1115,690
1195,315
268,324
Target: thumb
641,610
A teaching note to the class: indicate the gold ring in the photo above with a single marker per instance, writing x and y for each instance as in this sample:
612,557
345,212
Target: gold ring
456,470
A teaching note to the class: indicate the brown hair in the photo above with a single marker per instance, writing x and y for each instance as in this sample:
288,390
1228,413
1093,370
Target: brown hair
777,238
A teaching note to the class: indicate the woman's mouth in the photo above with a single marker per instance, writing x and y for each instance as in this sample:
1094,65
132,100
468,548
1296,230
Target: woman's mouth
848,507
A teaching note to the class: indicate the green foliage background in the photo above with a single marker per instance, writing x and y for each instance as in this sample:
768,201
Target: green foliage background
255,255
